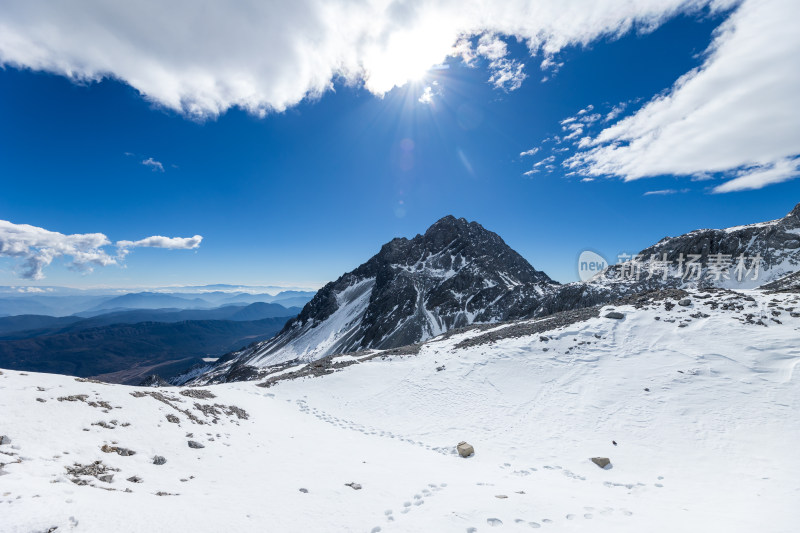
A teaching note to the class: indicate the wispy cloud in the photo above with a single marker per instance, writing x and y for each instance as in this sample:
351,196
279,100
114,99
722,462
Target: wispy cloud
157,241
263,57
759,177
731,118
430,92
532,151
35,248
154,165
665,192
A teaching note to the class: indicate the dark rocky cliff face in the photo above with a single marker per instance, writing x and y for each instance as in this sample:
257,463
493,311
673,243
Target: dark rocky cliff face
776,243
455,274
459,273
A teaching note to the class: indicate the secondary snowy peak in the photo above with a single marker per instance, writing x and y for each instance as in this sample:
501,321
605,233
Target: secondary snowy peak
455,274
740,257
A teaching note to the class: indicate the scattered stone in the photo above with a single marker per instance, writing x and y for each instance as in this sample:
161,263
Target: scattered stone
195,444
73,398
616,315
134,479
159,460
602,462
125,452
199,394
750,299
439,368
686,302
646,389
615,442
464,449
353,485
4,439
500,496
304,491
794,314
95,470
106,478
41,400
174,419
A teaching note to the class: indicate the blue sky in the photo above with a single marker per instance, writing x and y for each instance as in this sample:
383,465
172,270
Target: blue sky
301,195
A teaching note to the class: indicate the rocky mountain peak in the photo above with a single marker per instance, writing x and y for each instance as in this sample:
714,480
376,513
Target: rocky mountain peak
455,274
794,214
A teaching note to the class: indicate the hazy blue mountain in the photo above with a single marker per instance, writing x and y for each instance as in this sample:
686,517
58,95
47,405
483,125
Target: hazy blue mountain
30,326
150,300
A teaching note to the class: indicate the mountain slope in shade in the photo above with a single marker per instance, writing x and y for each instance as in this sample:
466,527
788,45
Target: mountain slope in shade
456,274
126,353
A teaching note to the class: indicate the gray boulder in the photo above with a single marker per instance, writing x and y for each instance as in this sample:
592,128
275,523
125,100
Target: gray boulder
195,444
4,439
602,462
159,460
686,302
464,449
616,315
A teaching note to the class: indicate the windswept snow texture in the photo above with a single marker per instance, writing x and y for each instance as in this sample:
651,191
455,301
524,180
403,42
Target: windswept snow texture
701,400
454,275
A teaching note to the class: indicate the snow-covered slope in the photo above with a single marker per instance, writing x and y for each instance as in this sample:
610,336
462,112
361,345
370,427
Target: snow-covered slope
725,258
456,274
776,243
701,399
459,274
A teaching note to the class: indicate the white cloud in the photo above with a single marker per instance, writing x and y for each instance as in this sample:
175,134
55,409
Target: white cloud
665,192
154,165
429,93
269,55
36,248
427,96
616,111
532,151
734,115
756,178
157,241
546,161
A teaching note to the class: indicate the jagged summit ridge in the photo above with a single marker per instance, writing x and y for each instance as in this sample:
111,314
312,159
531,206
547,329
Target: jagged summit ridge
455,274
458,273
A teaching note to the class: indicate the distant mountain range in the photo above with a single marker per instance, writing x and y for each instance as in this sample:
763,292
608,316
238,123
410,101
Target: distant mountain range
37,303
27,326
126,345
459,273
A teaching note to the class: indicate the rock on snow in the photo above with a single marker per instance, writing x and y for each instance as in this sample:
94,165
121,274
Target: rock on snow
711,447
